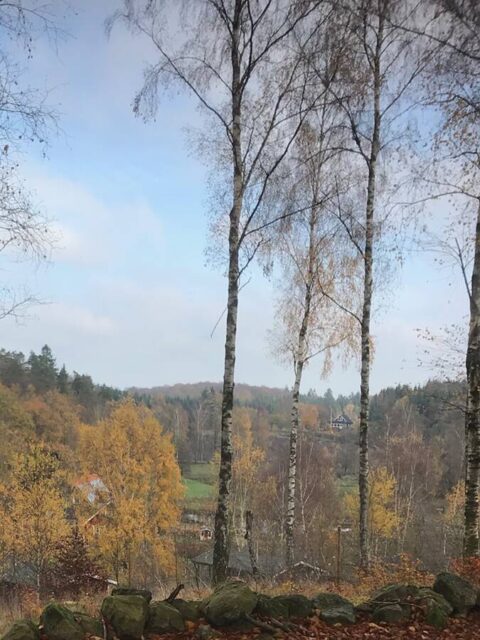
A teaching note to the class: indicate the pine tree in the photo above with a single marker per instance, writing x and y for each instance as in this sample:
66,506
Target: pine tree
43,370
63,383
75,572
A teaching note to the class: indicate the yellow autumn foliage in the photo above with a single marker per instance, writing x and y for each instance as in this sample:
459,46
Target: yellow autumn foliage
383,520
132,533
32,505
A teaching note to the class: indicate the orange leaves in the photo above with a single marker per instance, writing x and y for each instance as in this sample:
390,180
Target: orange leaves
137,464
34,517
468,568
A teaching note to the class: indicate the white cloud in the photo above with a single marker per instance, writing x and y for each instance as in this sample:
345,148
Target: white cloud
92,232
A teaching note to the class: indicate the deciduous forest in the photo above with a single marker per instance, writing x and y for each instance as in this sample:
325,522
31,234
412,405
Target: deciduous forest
340,141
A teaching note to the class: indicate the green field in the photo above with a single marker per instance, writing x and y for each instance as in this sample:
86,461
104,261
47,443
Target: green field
198,490
206,473
200,482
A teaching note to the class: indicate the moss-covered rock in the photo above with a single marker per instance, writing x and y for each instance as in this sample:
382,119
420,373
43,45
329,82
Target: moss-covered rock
22,630
163,618
365,608
188,609
457,591
338,615
89,625
59,623
205,632
127,591
126,615
298,606
271,607
327,600
435,615
425,595
229,603
391,613
395,593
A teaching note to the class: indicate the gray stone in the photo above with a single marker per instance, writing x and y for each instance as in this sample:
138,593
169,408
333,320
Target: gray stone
271,607
229,603
391,613
435,615
59,623
22,630
126,615
89,625
327,600
457,591
188,609
426,594
205,632
394,593
338,615
163,618
298,606
127,591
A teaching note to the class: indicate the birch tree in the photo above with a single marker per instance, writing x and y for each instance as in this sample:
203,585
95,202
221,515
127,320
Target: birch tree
376,92
235,58
314,273
458,72
454,81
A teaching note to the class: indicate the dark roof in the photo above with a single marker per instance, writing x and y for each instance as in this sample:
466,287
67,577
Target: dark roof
20,573
239,560
342,419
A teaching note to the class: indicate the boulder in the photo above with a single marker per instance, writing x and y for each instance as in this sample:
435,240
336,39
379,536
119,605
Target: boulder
364,607
163,618
126,615
391,613
205,632
59,623
298,606
229,603
338,615
188,609
127,591
327,600
271,607
394,593
435,615
425,595
457,591
22,630
89,625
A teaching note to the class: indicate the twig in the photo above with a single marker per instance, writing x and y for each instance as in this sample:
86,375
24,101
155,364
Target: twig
174,593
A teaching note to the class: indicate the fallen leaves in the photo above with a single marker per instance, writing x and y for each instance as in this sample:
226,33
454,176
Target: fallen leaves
467,628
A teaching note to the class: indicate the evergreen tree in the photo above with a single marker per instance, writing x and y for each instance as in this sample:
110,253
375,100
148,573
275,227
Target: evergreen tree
43,370
75,572
63,382
12,369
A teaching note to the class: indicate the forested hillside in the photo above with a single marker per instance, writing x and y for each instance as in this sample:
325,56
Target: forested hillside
416,454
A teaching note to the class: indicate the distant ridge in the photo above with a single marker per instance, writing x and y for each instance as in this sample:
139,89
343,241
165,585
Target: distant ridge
243,392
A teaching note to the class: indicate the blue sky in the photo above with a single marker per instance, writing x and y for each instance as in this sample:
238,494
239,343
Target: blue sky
127,295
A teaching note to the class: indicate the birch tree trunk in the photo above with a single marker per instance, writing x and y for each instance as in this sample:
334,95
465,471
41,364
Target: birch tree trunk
292,468
221,532
300,358
367,304
472,421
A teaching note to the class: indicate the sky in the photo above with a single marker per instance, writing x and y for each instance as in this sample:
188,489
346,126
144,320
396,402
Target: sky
127,296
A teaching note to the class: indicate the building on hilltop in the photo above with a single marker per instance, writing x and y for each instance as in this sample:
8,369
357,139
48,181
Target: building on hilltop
341,422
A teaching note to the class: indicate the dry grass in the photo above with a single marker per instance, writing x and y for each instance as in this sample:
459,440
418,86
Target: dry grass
406,571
